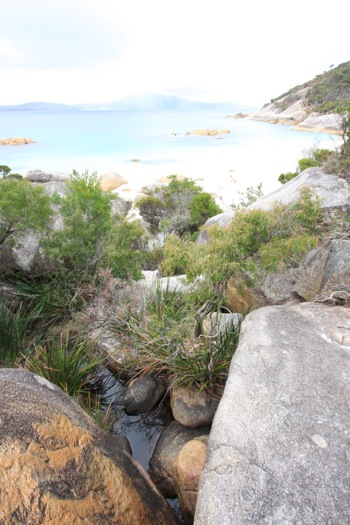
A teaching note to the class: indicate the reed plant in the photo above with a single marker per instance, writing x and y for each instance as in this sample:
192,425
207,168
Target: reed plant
164,339
67,362
13,329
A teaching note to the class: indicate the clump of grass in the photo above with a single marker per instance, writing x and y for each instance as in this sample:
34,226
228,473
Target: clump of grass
164,339
13,328
68,363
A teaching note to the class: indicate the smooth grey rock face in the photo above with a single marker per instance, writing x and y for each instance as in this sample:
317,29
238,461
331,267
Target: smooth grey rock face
278,451
222,220
333,191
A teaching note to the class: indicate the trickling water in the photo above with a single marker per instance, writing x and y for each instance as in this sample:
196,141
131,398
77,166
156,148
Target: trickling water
142,431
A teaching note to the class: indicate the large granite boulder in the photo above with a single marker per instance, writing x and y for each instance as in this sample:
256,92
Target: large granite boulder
333,191
58,466
278,451
111,181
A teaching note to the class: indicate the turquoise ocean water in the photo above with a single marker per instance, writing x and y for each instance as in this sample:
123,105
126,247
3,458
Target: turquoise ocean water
145,145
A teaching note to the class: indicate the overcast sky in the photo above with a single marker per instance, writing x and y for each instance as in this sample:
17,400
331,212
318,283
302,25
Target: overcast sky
76,51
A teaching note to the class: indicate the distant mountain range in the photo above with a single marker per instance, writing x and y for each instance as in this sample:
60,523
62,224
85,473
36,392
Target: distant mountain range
138,102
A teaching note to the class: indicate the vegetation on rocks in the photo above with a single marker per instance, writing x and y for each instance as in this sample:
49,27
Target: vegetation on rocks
325,93
179,207
23,207
92,258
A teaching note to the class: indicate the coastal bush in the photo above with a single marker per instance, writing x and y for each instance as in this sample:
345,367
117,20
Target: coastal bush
179,207
23,207
316,157
82,243
4,171
126,254
202,208
247,197
286,177
256,241
152,210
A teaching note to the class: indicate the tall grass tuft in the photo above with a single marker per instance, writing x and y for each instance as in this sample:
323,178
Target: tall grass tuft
67,363
13,327
163,337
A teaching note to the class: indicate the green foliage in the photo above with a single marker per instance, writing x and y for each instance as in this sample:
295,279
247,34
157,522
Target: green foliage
152,210
179,207
202,208
163,336
178,254
4,171
330,90
66,363
286,177
49,299
23,207
316,157
86,213
255,241
306,163
125,256
326,92
13,328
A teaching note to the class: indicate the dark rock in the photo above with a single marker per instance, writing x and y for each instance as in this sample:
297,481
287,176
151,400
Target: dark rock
143,394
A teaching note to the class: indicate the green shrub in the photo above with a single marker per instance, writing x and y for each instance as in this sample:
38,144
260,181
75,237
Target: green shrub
247,197
163,336
126,255
306,163
23,207
253,242
286,177
87,224
202,208
179,207
152,210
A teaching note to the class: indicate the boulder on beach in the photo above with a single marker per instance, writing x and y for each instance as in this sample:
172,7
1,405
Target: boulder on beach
111,181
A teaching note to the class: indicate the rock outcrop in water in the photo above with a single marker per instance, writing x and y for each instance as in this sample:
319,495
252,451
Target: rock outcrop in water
18,141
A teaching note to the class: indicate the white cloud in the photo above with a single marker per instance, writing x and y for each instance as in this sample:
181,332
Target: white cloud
86,51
